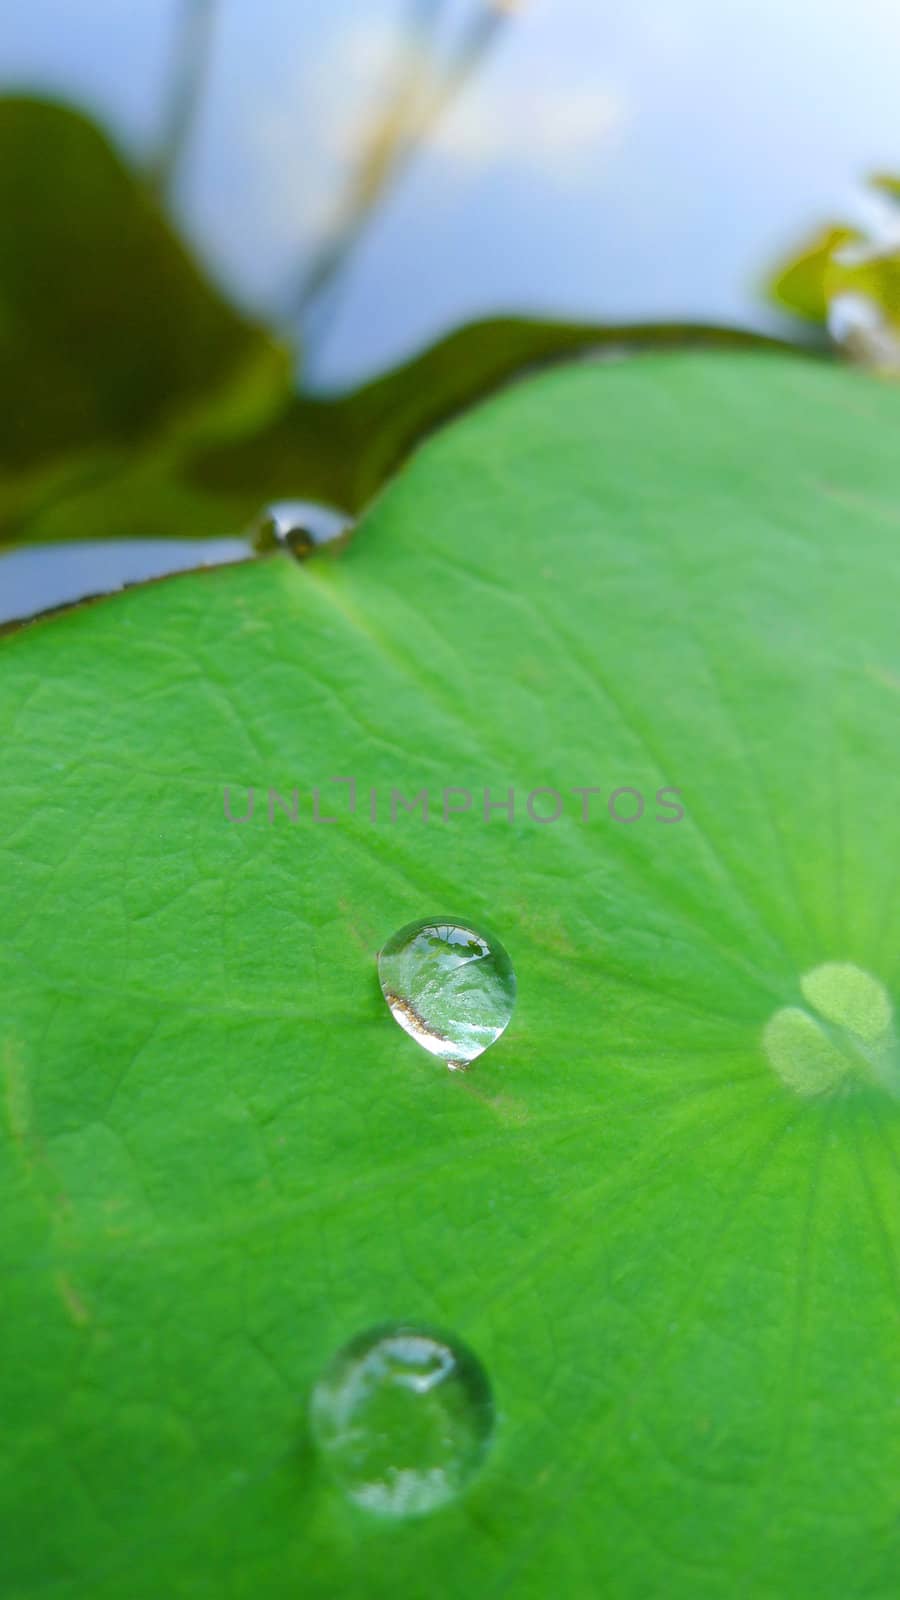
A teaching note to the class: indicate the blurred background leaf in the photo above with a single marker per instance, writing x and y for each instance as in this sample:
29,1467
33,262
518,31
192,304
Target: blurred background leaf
849,279
206,477
343,449
887,184
862,285
107,326
799,283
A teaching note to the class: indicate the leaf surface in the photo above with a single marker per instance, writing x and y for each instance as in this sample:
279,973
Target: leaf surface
222,1158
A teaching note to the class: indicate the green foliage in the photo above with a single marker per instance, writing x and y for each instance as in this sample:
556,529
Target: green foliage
106,325
799,283
222,1158
138,403
117,356
875,278
344,449
341,449
839,260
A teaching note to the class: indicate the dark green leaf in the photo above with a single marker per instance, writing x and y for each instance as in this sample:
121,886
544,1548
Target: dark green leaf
107,326
343,449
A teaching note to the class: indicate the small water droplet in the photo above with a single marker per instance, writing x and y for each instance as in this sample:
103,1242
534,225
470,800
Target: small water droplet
844,1034
450,987
298,526
403,1417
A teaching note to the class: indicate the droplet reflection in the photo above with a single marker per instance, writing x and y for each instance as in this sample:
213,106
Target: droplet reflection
403,1417
450,987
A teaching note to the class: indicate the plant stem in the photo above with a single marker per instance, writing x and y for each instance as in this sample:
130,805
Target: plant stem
191,49
398,133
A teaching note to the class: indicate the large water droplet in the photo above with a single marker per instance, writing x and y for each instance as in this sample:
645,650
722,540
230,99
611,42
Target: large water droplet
403,1417
298,526
449,986
845,1034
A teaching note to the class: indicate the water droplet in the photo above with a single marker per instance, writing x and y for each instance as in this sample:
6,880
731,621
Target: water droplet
844,1035
450,987
298,526
403,1417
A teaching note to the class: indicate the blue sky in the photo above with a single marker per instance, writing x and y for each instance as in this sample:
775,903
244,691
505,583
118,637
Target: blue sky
611,162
